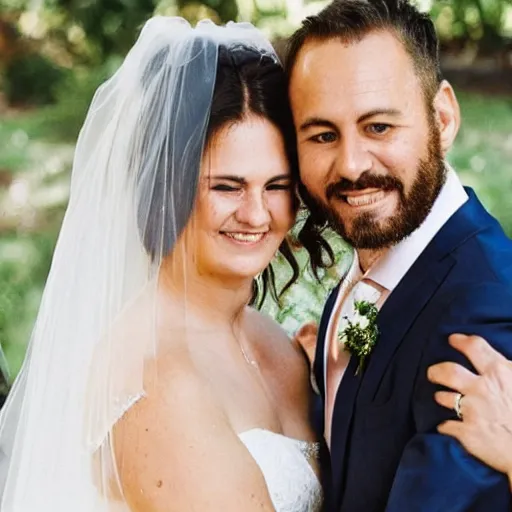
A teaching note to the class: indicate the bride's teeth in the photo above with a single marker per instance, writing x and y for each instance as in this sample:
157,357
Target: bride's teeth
365,199
246,237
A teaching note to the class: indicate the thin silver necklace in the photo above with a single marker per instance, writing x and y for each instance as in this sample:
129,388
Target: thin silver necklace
248,360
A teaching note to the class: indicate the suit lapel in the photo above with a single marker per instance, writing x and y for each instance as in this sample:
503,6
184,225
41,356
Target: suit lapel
341,421
399,313
318,366
396,317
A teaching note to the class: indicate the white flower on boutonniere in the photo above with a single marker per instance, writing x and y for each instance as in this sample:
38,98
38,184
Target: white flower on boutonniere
359,332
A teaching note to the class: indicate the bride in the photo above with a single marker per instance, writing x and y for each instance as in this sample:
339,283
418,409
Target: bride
150,384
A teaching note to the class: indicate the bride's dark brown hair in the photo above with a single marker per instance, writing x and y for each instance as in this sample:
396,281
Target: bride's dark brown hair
247,82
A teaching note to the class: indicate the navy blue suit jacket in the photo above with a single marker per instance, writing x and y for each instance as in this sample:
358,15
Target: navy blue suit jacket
385,452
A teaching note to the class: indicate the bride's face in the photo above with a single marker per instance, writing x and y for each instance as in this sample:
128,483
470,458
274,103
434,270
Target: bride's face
245,205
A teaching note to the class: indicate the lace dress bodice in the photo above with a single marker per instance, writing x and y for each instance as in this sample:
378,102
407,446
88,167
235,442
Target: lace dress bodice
286,466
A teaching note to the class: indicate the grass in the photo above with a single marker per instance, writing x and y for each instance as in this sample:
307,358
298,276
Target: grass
34,163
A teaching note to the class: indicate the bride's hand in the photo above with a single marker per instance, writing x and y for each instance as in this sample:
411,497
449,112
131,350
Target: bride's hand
486,407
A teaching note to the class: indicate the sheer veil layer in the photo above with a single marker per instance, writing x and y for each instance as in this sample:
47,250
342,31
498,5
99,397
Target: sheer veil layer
134,180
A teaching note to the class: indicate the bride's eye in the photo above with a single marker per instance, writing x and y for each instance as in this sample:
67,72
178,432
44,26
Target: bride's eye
224,188
279,186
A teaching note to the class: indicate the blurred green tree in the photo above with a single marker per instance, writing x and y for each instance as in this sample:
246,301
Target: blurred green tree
479,23
111,26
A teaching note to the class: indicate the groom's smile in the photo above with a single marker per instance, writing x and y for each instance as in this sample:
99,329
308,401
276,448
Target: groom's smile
378,203
364,198
371,194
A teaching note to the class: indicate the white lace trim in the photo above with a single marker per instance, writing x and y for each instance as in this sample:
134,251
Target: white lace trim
286,466
120,409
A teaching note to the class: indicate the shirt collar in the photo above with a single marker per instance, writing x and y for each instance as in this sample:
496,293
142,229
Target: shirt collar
391,267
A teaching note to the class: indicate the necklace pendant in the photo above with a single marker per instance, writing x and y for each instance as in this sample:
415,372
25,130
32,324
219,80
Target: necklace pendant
248,360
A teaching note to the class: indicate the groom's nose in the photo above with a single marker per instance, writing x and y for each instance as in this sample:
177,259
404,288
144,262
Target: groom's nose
353,158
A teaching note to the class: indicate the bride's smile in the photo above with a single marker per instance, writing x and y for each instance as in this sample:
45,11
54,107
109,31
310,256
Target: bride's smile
245,238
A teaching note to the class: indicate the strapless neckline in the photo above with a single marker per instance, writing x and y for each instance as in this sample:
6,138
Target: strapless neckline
309,448
271,432
287,466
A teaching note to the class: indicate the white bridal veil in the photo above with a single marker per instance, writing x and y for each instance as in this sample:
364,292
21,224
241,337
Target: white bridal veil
133,186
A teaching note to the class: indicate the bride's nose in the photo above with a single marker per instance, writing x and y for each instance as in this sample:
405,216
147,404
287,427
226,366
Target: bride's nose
253,210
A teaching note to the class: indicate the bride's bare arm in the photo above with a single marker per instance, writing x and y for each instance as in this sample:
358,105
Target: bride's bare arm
176,451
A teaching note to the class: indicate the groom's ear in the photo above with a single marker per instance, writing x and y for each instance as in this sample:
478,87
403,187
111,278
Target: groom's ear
447,112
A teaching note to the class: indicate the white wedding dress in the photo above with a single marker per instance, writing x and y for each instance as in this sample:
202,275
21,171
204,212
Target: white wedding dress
286,465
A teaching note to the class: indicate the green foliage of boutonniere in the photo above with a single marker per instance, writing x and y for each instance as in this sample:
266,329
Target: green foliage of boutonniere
361,332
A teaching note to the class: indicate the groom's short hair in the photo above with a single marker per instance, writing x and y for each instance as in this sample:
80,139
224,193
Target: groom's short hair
351,20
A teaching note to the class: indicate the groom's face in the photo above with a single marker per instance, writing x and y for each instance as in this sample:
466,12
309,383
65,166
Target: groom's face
369,146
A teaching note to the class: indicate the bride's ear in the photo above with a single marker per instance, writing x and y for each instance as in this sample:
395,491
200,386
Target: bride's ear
447,112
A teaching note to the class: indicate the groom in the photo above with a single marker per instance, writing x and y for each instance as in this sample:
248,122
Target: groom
374,122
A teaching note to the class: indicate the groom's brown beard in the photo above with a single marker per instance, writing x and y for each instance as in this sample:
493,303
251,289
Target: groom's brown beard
367,233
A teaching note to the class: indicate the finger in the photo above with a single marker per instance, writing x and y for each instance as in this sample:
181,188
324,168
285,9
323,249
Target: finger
479,352
305,339
309,329
451,375
452,428
446,399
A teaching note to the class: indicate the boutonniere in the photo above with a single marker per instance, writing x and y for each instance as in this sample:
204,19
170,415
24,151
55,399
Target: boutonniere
360,332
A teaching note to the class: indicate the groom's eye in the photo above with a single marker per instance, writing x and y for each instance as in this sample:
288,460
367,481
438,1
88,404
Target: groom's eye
324,138
378,128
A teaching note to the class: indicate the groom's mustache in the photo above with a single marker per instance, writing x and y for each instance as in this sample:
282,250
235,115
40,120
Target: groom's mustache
366,180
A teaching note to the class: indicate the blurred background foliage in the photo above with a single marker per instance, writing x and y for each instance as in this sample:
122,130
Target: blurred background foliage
54,54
